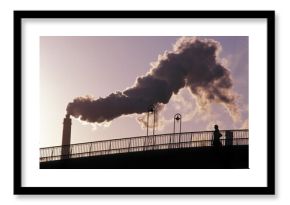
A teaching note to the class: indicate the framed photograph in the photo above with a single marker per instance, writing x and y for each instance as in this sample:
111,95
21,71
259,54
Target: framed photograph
144,102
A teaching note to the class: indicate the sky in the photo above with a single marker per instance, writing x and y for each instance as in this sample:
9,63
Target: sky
96,66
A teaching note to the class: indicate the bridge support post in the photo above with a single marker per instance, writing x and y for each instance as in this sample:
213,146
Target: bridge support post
229,138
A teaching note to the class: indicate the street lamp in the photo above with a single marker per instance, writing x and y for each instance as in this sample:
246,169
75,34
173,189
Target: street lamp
177,117
151,109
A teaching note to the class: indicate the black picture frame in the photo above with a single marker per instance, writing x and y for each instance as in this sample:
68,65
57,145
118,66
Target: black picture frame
19,189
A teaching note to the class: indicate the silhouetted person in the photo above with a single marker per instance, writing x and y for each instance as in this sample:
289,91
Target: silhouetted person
216,137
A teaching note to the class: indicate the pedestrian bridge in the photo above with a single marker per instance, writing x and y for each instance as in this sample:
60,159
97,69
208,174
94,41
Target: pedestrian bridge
143,144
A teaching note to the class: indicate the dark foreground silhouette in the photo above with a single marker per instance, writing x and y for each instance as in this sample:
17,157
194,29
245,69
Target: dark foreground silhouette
227,157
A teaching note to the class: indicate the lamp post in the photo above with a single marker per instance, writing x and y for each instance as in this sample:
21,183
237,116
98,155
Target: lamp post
151,109
177,117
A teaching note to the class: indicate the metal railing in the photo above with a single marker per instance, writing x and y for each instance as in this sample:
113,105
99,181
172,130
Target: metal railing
144,143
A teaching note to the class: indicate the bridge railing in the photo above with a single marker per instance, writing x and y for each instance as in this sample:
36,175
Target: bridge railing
144,143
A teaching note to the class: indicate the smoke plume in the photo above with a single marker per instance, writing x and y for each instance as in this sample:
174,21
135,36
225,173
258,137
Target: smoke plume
192,63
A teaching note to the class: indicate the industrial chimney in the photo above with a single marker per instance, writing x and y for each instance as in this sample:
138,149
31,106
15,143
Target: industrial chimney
65,151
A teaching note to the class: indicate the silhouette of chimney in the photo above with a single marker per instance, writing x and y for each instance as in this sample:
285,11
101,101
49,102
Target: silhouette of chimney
66,132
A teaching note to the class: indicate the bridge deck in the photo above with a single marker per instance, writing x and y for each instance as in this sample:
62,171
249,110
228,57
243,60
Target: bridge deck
143,143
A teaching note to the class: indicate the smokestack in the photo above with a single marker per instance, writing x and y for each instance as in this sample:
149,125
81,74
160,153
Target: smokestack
66,132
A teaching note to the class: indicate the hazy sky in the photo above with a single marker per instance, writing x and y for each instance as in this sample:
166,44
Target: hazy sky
98,66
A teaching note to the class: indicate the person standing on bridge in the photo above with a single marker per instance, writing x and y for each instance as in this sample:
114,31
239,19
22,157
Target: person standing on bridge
216,137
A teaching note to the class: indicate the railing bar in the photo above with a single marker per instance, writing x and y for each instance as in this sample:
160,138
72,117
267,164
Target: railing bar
193,139
242,130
